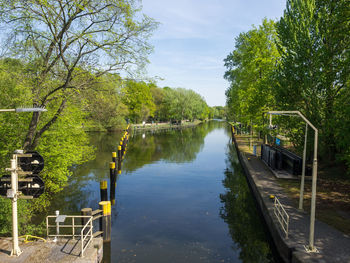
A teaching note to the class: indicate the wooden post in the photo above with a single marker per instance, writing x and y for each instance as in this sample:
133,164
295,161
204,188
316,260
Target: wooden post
84,220
103,191
105,220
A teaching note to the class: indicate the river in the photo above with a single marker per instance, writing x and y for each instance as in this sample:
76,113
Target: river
181,197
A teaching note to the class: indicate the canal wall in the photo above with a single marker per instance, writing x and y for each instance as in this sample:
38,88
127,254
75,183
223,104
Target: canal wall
284,250
332,245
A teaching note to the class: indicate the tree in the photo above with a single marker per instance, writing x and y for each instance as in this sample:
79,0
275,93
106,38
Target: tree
313,74
249,70
137,97
158,97
70,43
180,104
64,145
103,103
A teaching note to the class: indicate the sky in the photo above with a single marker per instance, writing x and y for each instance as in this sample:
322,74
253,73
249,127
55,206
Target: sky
195,36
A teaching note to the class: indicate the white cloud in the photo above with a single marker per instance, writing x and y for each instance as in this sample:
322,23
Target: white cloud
196,35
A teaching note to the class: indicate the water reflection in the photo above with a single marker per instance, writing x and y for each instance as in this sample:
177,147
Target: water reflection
240,214
181,197
173,145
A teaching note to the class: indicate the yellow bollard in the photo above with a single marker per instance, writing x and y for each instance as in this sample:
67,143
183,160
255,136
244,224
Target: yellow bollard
105,220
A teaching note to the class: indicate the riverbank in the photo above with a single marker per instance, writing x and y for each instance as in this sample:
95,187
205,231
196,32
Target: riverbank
140,126
164,125
332,245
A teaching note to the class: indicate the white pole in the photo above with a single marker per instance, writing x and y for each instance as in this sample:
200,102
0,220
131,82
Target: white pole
301,196
16,251
57,212
313,196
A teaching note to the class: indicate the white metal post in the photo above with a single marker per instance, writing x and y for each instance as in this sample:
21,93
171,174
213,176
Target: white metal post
311,247
57,212
16,251
301,196
313,197
14,185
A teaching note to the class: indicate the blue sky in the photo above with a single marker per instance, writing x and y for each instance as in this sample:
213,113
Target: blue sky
194,36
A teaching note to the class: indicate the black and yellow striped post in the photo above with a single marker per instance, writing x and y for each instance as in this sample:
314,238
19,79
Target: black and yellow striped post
119,157
111,169
124,146
121,145
105,220
103,191
113,180
114,157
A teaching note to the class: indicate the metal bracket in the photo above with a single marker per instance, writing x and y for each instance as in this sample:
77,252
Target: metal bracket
311,250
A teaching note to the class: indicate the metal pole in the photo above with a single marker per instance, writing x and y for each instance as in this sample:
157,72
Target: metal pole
16,251
313,196
311,247
57,212
7,110
301,196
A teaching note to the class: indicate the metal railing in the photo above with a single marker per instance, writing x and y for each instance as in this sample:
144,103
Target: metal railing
84,233
282,216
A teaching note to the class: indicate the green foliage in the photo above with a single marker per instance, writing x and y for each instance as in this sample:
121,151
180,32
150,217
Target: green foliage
69,45
218,112
138,98
158,97
313,75
64,145
103,105
249,71
301,63
181,104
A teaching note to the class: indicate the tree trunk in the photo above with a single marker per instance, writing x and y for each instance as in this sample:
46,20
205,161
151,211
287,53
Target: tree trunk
31,131
330,143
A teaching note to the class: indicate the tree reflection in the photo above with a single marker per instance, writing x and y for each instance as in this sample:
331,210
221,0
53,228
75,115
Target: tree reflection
239,212
177,146
172,146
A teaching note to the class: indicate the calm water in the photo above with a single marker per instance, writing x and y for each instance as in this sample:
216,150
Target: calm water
181,197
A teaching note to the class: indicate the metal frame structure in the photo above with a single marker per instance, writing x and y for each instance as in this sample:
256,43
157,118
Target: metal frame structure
282,216
16,251
83,236
311,247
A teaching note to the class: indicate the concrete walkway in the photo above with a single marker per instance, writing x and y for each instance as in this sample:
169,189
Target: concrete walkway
64,251
332,245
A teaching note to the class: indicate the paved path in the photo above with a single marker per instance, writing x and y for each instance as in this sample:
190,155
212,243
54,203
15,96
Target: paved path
332,245
64,251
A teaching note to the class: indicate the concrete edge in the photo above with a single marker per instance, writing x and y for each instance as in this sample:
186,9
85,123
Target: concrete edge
284,249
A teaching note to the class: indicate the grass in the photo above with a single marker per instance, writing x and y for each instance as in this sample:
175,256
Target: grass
332,200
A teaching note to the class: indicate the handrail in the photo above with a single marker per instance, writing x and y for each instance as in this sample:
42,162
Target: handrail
87,234
282,216
82,236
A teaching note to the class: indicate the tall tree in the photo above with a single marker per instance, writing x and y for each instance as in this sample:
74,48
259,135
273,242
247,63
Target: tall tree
314,68
138,98
249,70
63,40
